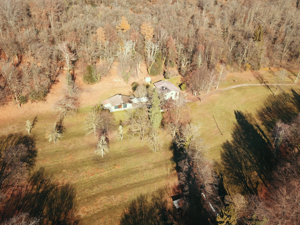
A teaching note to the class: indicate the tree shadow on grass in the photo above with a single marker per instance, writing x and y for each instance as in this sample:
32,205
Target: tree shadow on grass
248,159
41,198
148,210
284,107
195,208
13,140
32,193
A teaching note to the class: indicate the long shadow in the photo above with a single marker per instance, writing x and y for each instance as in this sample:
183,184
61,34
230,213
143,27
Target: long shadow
261,80
195,207
12,140
284,107
154,210
33,193
248,159
148,210
42,199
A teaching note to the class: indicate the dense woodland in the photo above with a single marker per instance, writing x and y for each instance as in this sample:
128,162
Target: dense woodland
257,178
40,38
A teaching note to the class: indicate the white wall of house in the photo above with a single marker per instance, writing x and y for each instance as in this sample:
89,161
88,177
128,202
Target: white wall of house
139,100
116,108
172,94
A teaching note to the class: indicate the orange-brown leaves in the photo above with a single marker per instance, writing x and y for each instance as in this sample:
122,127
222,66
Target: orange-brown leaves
101,35
172,52
147,31
124,25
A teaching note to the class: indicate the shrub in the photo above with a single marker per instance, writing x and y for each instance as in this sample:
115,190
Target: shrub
23,99
37,95
134,86
90,76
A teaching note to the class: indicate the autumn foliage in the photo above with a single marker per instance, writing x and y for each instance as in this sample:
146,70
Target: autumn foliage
147,31
124,25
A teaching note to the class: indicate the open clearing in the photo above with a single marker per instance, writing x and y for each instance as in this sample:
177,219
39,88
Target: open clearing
105,185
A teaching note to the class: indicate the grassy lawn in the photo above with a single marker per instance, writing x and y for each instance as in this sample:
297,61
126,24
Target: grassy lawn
269,76
175,80
104,185
222,107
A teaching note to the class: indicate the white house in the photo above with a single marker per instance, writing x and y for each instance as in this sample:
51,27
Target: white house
117,102
168,89
121,102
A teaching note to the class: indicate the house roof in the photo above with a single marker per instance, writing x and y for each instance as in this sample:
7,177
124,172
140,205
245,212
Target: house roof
117,100
166,86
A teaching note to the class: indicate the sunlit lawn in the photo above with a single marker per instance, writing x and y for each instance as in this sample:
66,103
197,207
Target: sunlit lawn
270,76
104,185
222,107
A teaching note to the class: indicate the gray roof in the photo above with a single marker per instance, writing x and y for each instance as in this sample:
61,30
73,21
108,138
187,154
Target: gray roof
166,86
117,100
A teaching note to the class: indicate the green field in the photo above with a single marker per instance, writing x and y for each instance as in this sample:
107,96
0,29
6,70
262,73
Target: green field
105,185
222,107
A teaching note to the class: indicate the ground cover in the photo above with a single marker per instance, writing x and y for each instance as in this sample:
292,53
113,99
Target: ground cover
105,185
216,113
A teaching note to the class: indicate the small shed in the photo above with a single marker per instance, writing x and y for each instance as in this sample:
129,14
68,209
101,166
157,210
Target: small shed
148,80
176,200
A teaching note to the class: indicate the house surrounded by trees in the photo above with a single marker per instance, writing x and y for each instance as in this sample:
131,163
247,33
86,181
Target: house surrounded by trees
117,102
121,102
168,89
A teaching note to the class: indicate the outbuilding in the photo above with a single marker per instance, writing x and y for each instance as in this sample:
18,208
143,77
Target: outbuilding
168,89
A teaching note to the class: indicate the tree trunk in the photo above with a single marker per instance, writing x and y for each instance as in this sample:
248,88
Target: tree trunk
297,78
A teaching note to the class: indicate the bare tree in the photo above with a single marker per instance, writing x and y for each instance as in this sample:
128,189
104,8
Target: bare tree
12,167
280,204
220,69
141,91
151,50
99,122
22,219
29,125
120,132
139,123
102,147
13,81
154,140
69,103
67,54
297,78
175,114
56,132
93,121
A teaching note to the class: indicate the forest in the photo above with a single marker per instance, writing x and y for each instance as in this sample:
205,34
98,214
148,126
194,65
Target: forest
198,43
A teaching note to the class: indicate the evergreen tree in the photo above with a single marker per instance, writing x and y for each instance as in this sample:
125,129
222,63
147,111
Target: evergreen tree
155,114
